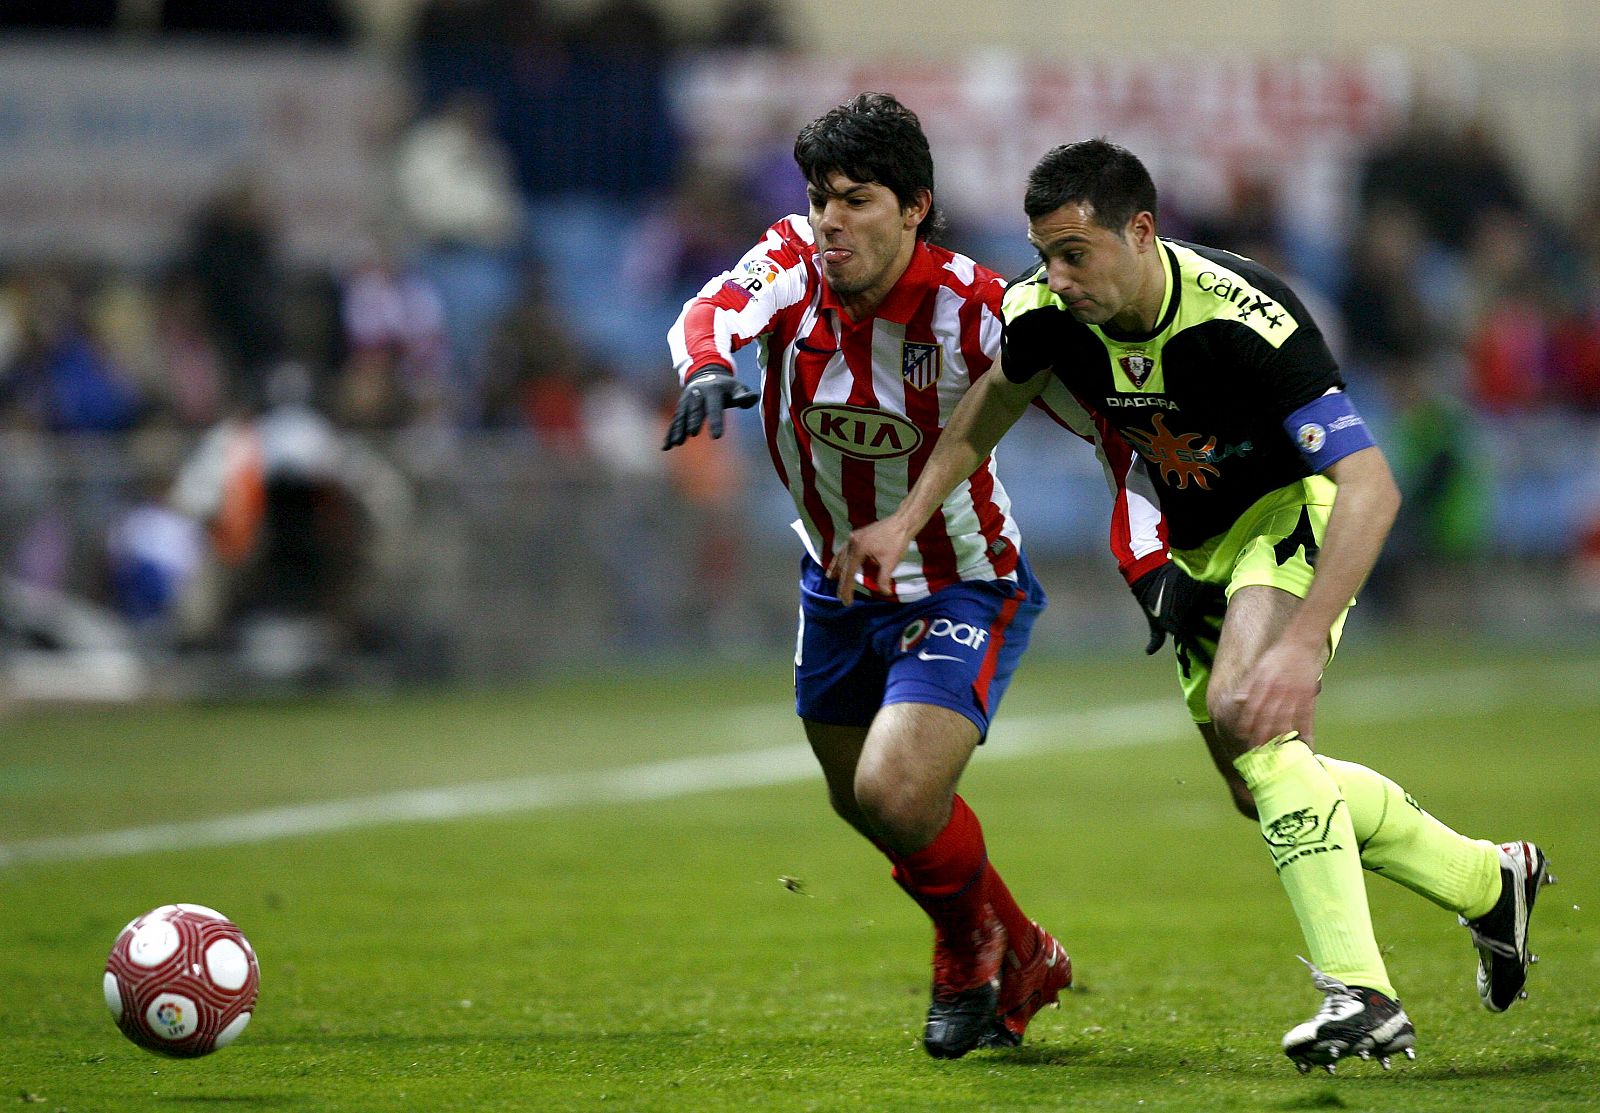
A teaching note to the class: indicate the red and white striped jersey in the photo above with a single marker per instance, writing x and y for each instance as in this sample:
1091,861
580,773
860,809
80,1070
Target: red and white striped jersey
852,409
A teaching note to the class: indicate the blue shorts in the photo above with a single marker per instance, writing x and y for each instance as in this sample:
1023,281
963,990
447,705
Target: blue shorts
957,648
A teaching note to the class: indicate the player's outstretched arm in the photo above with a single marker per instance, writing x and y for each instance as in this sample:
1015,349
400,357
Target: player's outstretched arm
708,392
1280,693
979,420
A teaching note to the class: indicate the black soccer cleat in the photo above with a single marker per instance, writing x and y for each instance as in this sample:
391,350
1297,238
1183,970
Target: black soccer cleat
957,1022
966,990
1501,934
1354,1022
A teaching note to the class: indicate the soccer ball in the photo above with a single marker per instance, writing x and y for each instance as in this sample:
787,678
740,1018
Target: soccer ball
181,980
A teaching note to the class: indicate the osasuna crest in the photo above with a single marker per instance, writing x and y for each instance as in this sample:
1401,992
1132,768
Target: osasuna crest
920,364
1137,366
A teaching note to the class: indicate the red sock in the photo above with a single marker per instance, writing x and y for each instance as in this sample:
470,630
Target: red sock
948,877
1020,938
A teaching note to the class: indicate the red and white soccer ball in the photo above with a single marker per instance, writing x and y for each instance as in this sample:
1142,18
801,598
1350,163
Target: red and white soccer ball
181,980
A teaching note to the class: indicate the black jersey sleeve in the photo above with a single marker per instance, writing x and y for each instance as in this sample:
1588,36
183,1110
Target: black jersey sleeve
1027,312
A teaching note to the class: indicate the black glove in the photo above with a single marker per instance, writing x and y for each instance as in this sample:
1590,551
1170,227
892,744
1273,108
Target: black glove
708,392
1176,603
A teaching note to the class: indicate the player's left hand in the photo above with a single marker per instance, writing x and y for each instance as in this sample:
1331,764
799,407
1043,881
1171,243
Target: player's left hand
1280,694
708,392
1176,603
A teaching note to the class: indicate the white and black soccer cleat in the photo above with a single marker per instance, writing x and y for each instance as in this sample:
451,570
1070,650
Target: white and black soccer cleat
1501,934
1354,1022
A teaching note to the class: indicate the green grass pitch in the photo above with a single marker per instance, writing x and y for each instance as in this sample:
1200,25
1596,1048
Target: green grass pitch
633,946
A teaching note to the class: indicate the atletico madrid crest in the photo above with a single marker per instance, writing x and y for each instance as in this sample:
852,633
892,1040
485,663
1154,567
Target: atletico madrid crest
1137,366
920,364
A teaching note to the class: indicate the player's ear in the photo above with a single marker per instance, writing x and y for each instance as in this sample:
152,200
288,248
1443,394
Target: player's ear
1141,231
917,209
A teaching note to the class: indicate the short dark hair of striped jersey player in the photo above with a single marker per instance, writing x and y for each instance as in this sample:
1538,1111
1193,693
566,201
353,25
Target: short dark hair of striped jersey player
871,143
1113,193
871,138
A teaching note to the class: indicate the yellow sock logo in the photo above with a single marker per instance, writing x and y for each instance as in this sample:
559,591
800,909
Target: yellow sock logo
1299,834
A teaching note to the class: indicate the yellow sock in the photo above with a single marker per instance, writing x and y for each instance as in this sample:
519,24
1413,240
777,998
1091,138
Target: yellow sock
1308,829
1404,843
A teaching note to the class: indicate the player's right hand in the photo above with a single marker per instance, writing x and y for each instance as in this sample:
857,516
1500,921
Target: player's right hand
708,392
1176,603
879,545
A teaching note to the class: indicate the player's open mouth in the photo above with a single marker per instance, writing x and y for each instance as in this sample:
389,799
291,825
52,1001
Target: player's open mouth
836,255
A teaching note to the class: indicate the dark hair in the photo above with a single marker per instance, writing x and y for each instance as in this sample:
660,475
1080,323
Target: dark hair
1109,179
871,138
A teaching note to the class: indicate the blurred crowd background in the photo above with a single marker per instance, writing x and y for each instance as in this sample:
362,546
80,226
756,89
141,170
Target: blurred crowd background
332,334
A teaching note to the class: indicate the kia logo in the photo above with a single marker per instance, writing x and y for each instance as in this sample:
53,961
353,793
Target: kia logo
863,433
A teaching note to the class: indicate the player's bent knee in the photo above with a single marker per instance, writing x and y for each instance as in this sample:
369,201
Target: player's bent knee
844,806
1223,709
899,814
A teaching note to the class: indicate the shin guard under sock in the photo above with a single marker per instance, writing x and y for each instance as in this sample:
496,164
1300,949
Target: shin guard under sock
1307,826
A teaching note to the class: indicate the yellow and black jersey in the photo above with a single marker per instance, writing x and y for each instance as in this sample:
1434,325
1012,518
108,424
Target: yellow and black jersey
1203,397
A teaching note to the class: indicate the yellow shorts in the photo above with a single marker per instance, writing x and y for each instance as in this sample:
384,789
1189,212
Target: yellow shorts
1273,544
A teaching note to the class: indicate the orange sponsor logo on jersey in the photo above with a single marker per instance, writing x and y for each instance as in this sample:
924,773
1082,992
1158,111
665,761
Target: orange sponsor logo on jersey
1180,456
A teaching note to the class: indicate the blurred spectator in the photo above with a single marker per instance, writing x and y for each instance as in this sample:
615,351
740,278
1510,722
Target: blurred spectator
397,371
59,376
458,197
535,374
1575,355
41,554
634,28
1509,306
701,228
304,522
747,24
1388,322
54,15
233,259
1585,573
1447,168
770,181
195,379
456,23
310,19
454,177
1576,340
153,554
1443,467
1250,217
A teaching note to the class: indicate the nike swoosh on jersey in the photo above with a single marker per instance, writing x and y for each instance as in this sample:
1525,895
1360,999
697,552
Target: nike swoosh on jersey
924,655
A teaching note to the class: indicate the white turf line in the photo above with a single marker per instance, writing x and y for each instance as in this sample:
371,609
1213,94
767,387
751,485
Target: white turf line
1116,726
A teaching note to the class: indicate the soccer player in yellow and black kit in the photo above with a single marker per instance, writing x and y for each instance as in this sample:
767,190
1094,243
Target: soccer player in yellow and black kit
1277,503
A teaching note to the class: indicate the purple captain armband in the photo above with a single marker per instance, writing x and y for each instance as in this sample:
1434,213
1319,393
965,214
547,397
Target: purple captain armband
1327,429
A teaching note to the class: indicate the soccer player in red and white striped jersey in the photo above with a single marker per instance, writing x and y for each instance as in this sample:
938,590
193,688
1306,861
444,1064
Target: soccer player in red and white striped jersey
869,335
852,402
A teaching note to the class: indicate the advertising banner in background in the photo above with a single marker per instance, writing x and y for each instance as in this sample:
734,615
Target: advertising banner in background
104,152
1204,123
